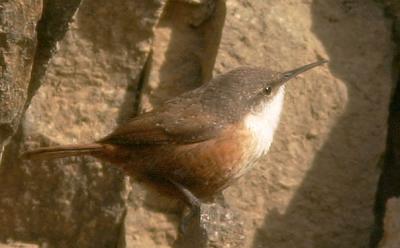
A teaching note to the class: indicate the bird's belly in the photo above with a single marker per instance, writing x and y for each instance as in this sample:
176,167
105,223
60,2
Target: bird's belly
208,167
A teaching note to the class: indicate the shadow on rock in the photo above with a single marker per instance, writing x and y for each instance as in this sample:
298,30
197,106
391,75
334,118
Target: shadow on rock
333,205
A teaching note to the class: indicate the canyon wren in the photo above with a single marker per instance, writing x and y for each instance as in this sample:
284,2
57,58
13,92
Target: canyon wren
198,143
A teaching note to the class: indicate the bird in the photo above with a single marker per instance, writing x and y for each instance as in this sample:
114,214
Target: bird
196,144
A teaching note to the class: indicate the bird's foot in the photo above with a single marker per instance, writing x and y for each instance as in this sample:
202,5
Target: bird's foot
191,219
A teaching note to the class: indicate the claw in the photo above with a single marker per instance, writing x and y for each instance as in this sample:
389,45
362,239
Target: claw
193,217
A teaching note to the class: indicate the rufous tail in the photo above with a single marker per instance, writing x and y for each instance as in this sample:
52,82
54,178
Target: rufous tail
61,151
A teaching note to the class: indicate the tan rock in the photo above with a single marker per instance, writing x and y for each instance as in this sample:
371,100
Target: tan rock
18,245
17,49
79,202
314,192
391,236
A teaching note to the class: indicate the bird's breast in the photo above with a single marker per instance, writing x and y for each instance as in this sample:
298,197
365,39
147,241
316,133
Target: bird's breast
262,125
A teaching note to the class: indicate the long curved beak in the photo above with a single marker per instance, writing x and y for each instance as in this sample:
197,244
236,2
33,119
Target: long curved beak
286,76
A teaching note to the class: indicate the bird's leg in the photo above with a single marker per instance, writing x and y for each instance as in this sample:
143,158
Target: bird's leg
194,205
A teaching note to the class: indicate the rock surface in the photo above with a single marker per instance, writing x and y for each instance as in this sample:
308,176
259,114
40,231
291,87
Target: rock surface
18,20
88,85
119,58
316,187
389,181
18,245
391,238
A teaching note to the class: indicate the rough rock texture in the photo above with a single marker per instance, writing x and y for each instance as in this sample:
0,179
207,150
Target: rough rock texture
51,28
18,20
314,189
89,82
391,238
18,245
389,181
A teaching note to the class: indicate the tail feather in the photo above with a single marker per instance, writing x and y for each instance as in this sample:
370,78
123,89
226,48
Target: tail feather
61,151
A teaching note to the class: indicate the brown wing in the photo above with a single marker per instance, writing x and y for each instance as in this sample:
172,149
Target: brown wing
177,126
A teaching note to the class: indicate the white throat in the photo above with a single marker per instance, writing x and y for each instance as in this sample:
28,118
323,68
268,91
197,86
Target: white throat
264,122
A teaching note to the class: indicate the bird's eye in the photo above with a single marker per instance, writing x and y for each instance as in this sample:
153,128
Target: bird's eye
267,90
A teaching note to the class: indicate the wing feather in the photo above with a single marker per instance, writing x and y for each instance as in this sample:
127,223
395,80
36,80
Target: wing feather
173,126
